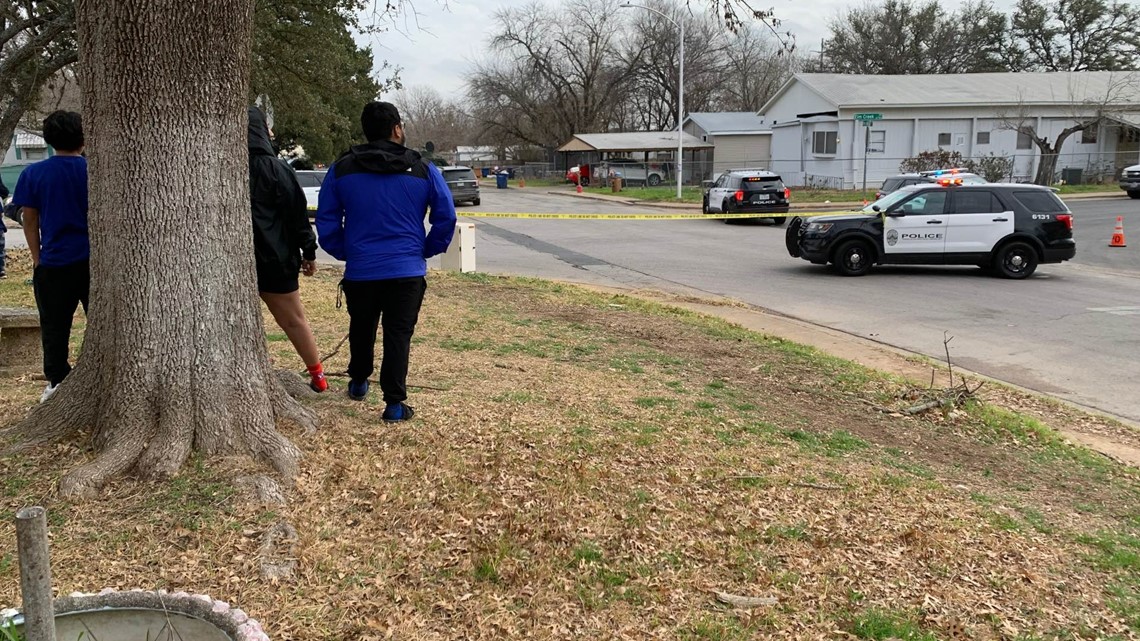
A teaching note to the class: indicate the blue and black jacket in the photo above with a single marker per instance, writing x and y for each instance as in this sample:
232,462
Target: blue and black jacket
371,209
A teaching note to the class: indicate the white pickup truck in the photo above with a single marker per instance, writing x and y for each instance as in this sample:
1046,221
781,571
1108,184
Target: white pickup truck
1130,181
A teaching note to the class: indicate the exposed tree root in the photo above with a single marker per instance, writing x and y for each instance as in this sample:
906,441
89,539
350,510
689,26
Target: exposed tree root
152,432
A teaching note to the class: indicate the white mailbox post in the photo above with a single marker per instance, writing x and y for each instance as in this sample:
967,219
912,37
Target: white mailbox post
460,255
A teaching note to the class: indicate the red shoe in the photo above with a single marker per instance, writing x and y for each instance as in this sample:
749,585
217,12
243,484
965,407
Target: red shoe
318,382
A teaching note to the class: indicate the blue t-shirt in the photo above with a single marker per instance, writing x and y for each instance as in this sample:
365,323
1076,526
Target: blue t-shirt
57,188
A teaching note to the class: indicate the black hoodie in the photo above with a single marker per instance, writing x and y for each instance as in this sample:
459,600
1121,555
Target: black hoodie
381,157
281,230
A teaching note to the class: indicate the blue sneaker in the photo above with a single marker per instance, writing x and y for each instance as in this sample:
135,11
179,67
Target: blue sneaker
357,390
397,412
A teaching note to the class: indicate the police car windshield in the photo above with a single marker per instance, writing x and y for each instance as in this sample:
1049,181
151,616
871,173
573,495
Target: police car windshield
890,199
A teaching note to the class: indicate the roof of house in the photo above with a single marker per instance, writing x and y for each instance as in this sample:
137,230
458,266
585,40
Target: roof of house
970,89
29,140
632,141
729,122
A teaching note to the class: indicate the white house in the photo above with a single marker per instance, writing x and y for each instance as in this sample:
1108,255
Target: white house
818,139
26,147
739,139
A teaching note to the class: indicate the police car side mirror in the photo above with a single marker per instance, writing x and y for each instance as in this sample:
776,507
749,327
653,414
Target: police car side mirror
876,208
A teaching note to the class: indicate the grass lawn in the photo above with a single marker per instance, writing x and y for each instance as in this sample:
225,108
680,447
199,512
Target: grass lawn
585,465
1088,189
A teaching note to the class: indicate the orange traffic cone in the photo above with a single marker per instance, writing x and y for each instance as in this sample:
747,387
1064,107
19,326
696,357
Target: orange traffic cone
1118,234
579,188
522,183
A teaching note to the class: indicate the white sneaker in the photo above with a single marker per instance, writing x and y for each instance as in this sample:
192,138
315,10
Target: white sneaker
48,392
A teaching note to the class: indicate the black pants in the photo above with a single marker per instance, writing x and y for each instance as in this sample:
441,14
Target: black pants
395,305
3,244
59,290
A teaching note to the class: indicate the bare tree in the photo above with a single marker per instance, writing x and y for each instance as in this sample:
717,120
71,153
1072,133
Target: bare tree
755,67
652,89
556,72
174,356
429,117
1090,106
37,40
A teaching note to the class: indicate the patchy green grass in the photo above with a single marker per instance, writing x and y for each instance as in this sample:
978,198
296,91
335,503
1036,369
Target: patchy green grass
881,625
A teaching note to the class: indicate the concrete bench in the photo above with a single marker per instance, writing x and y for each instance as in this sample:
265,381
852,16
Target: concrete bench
20,349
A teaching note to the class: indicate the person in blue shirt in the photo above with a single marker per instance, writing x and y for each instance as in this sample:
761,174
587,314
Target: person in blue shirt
53,195
370,214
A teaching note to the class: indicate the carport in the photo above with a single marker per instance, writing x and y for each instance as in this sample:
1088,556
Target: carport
1127,126
592,148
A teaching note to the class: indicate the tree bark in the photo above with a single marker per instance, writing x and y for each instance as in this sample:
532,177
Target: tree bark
174,357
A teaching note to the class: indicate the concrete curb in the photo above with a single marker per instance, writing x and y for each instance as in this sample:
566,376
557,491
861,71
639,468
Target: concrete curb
695,206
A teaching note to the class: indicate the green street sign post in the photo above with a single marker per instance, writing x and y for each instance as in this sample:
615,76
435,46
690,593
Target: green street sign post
867,119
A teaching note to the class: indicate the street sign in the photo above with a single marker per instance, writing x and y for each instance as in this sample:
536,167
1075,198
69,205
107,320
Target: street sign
868,117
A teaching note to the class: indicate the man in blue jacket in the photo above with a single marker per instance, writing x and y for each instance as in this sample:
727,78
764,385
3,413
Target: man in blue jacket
370,214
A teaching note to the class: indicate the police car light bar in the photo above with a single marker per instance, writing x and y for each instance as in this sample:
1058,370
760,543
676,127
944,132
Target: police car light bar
946,182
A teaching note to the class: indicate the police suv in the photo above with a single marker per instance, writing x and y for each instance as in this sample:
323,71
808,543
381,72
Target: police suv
1005,227
739,191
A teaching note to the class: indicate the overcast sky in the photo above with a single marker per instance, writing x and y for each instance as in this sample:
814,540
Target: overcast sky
435,46
437,51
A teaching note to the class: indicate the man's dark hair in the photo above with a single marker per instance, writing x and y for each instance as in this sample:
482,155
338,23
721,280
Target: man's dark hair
378,120
63,130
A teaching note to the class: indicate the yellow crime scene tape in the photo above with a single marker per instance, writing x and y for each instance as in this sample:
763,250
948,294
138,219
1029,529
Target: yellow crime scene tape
538,216
807,214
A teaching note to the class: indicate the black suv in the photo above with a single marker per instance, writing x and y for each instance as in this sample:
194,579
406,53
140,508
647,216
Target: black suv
1008,228
741,191
463,184
894,183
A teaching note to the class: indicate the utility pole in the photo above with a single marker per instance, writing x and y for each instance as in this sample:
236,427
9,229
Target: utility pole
866,145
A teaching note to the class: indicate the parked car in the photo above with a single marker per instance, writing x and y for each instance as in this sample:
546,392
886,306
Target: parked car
1006,228
741,191
310,181
463,184
1130,181
632,171
895,183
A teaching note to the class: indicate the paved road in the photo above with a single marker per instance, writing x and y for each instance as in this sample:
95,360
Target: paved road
1072,330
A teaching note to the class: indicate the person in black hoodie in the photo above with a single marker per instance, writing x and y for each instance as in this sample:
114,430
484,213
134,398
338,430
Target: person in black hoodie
283,242
3,227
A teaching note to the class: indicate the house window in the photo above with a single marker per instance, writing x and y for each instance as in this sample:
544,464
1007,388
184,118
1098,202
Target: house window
35,154
1024,140
983,137
877,143
943,140
825,143
1088,136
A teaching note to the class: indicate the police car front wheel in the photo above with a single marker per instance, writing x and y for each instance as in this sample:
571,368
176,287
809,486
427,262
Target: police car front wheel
1016,260
853,258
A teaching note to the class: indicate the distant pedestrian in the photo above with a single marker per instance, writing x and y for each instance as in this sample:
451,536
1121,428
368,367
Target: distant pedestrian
3,228
283,242
53,195
370,214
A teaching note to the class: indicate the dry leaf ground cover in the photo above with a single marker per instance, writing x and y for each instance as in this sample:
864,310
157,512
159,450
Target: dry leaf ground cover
591,466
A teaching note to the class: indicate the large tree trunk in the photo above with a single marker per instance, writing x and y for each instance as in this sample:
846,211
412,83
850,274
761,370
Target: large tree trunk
174,358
